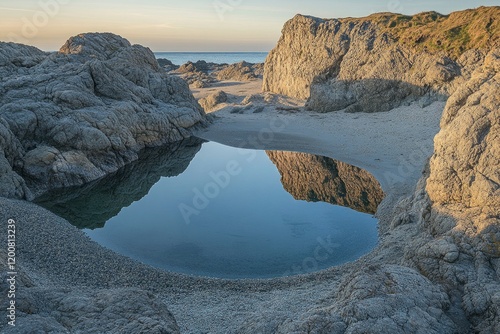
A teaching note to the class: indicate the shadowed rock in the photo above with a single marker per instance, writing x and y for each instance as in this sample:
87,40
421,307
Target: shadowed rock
314,178
91,206
63,310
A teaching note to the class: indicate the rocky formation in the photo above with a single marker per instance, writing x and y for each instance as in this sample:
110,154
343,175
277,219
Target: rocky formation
381,61
92,205
211,101
202,74
314,178
167,64
64,310
198,75
242,71
460,208
73,116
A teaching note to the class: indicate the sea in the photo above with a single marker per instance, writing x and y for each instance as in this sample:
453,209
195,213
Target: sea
180,58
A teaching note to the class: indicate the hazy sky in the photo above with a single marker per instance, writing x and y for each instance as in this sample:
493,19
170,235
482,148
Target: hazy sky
196,25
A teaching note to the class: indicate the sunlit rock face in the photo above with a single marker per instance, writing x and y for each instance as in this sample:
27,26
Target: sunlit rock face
381,61
315,178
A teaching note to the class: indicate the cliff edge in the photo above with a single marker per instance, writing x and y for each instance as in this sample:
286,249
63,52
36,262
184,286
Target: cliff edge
381,61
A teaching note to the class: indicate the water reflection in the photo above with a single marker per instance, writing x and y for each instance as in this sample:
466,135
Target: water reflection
249,227
92,205
314,178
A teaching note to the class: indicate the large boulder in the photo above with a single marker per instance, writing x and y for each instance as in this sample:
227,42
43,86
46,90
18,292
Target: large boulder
85,111
210,102
378,62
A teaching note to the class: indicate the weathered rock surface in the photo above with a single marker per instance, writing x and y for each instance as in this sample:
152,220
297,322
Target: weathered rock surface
203,74
64,310
242,71
211,101
379,62
315,178
467,172
377,299
73,116
167,64
462,206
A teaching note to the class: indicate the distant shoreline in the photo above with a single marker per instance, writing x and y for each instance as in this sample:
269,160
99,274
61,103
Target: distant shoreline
180,58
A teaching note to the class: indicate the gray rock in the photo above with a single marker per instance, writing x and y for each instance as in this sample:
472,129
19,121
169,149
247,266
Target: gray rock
459,227
242,71
73,116
377,299
167,64
210,102
314,178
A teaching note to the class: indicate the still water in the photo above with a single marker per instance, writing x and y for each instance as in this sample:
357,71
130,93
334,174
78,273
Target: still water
212,210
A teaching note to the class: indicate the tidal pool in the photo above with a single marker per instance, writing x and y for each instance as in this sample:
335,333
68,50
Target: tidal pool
212,210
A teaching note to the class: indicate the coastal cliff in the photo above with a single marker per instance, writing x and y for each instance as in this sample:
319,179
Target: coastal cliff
381,61
314,178
73,116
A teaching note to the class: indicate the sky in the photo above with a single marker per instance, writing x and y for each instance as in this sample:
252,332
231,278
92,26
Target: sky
187,25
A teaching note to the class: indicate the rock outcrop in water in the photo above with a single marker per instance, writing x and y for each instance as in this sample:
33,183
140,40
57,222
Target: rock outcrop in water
73,116
379,62
314,178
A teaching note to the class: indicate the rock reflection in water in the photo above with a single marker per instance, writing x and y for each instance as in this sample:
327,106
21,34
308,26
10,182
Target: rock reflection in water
315,178
91,206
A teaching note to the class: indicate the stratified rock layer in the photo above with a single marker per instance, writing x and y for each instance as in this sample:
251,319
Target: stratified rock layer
379,62
315,178
73,116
